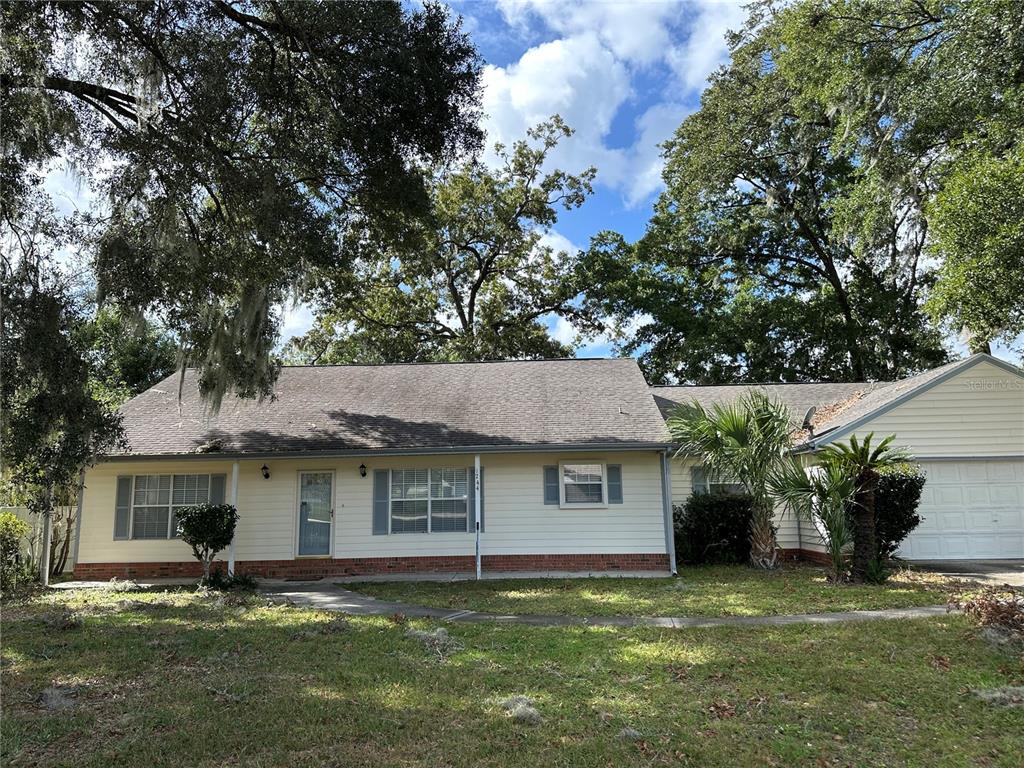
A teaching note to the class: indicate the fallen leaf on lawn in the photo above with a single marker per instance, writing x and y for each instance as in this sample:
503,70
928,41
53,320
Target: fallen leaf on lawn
722,709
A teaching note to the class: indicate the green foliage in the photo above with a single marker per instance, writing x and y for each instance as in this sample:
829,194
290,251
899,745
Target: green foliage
129,353
53,421
896,501
220,580
929,97
877,571
861,462
207,528
230,142
822,496
12,530
473,282
745,441
978,221
713,528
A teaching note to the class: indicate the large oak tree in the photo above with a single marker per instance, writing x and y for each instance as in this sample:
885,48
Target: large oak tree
229,141
474,280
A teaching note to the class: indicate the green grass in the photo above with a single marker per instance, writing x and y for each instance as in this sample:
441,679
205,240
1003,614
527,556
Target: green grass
197,683
702,591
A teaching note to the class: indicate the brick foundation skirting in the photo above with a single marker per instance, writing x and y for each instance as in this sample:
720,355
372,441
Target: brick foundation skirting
807,555
368,566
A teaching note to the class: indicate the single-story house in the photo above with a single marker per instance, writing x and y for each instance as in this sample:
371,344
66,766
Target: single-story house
505,466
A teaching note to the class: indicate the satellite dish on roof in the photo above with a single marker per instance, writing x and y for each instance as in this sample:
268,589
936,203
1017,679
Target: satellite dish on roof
809,419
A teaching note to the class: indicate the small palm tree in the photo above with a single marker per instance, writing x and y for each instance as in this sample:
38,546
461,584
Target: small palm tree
860,461
821,495
746,442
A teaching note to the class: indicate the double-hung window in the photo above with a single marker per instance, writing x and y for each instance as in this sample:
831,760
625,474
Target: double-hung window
583,484
154,500
703,481
429,500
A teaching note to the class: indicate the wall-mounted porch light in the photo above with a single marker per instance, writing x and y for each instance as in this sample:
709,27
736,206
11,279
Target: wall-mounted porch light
362,470
266,472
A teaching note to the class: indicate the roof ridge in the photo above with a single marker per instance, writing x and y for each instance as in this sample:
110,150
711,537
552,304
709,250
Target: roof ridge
462,362
766,384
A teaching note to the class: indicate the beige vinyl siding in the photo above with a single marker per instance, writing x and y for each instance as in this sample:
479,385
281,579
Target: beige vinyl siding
516,519
978,412
788,533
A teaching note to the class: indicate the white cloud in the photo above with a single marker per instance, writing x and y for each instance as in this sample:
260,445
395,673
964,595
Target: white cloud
633,31
705,48
586,75
575,77
558,242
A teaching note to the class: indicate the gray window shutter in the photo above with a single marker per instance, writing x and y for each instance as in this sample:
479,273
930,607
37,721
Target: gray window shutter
551,485
123,507
698,480
217,484
614,483
381,495
471,506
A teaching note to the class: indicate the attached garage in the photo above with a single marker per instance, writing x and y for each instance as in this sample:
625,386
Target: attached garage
963,422
965,425
970,510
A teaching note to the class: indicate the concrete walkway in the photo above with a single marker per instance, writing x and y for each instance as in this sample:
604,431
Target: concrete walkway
326,597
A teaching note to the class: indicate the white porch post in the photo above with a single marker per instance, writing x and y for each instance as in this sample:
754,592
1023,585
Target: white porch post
44,560
476,506
234,503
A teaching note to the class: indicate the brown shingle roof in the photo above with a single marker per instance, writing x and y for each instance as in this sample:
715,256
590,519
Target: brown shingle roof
408,407
796,397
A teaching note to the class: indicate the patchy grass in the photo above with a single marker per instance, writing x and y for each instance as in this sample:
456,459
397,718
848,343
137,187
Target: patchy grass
702,591
205,681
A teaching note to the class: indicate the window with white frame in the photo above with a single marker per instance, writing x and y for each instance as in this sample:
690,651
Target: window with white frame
429,500
583,484
704,481
155,499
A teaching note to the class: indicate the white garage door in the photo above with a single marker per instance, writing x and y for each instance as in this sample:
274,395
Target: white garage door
970,510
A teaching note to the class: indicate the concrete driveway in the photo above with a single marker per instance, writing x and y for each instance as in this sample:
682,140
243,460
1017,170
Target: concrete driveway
988,571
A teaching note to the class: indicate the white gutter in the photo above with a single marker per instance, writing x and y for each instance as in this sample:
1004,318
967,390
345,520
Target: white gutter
666,502
234,503
78,517
476,506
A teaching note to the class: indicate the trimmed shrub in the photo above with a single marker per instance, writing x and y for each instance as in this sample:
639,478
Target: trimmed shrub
896,501
12,530
714,528
207,528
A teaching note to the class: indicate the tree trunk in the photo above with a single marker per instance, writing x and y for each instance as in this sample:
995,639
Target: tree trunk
763,550
206,569
864,523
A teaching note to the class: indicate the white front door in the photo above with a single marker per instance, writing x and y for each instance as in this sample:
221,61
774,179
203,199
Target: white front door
316,513
970,510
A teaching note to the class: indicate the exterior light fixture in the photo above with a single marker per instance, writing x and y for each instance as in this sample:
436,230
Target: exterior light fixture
266,472
362,470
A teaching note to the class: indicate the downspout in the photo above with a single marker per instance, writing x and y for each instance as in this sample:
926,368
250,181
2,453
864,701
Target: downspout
666,501
476,507
78,517
234,503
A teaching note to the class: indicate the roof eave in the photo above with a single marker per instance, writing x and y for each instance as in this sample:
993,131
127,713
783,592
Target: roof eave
425,451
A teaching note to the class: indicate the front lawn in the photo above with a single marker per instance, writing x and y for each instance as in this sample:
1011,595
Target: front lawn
153,679
698,591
